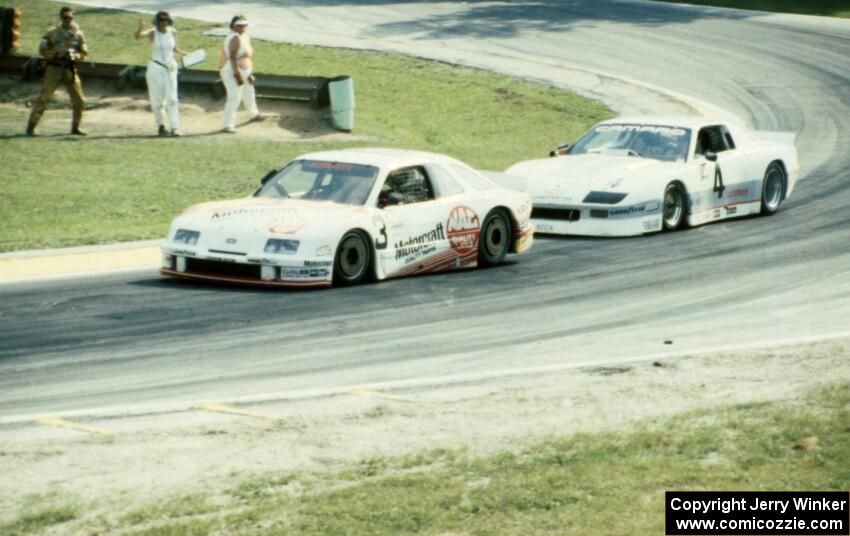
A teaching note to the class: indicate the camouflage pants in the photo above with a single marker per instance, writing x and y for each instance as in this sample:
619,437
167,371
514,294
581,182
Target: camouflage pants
54,76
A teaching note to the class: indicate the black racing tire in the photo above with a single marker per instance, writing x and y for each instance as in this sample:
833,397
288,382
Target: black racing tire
495,240
772,188
353,258
673,206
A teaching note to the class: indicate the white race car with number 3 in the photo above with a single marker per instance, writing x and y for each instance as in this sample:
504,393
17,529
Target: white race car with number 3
343,216
632,176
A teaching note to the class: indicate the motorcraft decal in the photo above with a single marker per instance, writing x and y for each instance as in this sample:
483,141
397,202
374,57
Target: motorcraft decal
414,246
464,228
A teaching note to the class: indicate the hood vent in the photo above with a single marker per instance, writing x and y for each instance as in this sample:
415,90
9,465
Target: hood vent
604,198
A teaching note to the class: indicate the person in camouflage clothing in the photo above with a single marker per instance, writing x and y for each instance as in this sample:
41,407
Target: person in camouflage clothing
62,46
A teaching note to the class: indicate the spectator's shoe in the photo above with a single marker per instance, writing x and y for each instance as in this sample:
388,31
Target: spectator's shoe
162,131
175,133
229,130
30,129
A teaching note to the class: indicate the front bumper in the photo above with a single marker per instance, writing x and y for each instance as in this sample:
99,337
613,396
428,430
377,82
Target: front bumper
291,272
597,220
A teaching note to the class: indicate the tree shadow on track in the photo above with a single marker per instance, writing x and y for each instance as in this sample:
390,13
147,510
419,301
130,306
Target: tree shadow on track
488,19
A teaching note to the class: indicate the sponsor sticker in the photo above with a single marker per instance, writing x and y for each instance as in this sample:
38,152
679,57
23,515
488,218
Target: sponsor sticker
334,166
415,246
305,273
740,192
464,229
286,225
652,224
221,215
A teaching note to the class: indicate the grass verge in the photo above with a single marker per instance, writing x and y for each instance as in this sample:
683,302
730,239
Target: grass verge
826,8
599,483
59,191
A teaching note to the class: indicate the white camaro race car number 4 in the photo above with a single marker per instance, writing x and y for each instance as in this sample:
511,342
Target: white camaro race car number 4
633,176
342,216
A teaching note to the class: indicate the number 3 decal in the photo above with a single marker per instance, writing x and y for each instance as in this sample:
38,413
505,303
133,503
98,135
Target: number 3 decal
382,241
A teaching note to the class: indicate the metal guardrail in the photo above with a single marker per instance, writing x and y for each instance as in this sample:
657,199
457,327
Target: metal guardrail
312,89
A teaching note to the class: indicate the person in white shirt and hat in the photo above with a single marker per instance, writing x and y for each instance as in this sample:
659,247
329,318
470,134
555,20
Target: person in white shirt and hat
161,74
236,69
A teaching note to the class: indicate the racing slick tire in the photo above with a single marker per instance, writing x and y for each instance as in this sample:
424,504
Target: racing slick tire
673,206
495,238
353,258
772,188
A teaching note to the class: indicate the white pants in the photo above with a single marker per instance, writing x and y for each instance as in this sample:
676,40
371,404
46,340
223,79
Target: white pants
237,94
162,92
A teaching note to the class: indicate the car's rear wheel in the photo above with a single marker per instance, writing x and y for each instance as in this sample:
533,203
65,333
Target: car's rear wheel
674,206
772,188
353,257
495,240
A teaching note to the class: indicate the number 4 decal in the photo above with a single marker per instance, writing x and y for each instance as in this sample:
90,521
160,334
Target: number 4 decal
718,181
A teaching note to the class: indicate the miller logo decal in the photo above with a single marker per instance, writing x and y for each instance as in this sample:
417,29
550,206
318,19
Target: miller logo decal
463,229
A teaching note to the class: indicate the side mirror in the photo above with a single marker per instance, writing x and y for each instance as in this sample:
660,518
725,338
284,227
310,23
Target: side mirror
392,199
711,156
268,176
560,150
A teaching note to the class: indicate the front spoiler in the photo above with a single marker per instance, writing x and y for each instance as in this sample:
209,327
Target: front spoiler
215,278
600,226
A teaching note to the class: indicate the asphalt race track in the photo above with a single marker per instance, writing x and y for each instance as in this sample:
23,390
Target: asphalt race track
137,342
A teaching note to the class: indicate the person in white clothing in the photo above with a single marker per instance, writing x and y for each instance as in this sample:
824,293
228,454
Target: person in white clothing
161,74
236,68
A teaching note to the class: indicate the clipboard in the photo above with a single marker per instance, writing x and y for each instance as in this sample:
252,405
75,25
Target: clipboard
194,58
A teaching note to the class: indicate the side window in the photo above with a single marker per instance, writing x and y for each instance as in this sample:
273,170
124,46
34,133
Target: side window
411,185
472,178
728,136
712,139
444,183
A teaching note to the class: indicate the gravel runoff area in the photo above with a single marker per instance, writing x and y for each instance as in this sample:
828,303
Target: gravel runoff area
123,463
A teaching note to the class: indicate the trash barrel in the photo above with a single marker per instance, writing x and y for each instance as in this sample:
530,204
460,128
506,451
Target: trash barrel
341,91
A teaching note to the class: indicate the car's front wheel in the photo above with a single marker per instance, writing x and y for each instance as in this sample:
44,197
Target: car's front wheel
353,257
772,188
495,238
674,206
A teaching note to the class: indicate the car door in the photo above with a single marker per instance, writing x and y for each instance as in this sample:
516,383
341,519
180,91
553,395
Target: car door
413,221
723,180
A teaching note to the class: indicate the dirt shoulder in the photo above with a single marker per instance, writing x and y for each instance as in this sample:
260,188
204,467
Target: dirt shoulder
146,459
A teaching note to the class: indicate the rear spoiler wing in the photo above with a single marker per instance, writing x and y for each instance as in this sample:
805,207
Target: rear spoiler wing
511,182
785,138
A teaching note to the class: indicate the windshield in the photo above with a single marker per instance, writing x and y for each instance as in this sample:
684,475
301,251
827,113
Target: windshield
339,182
649,141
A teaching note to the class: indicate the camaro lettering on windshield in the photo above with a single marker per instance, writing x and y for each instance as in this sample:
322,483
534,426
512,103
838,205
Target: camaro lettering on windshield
415,244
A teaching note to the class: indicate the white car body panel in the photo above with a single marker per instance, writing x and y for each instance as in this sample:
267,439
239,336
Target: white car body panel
560,185
438,234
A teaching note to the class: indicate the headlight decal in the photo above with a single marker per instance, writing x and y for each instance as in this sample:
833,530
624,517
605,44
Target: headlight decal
186,236
281,246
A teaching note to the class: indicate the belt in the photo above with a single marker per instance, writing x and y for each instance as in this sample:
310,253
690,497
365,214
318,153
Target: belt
161,64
